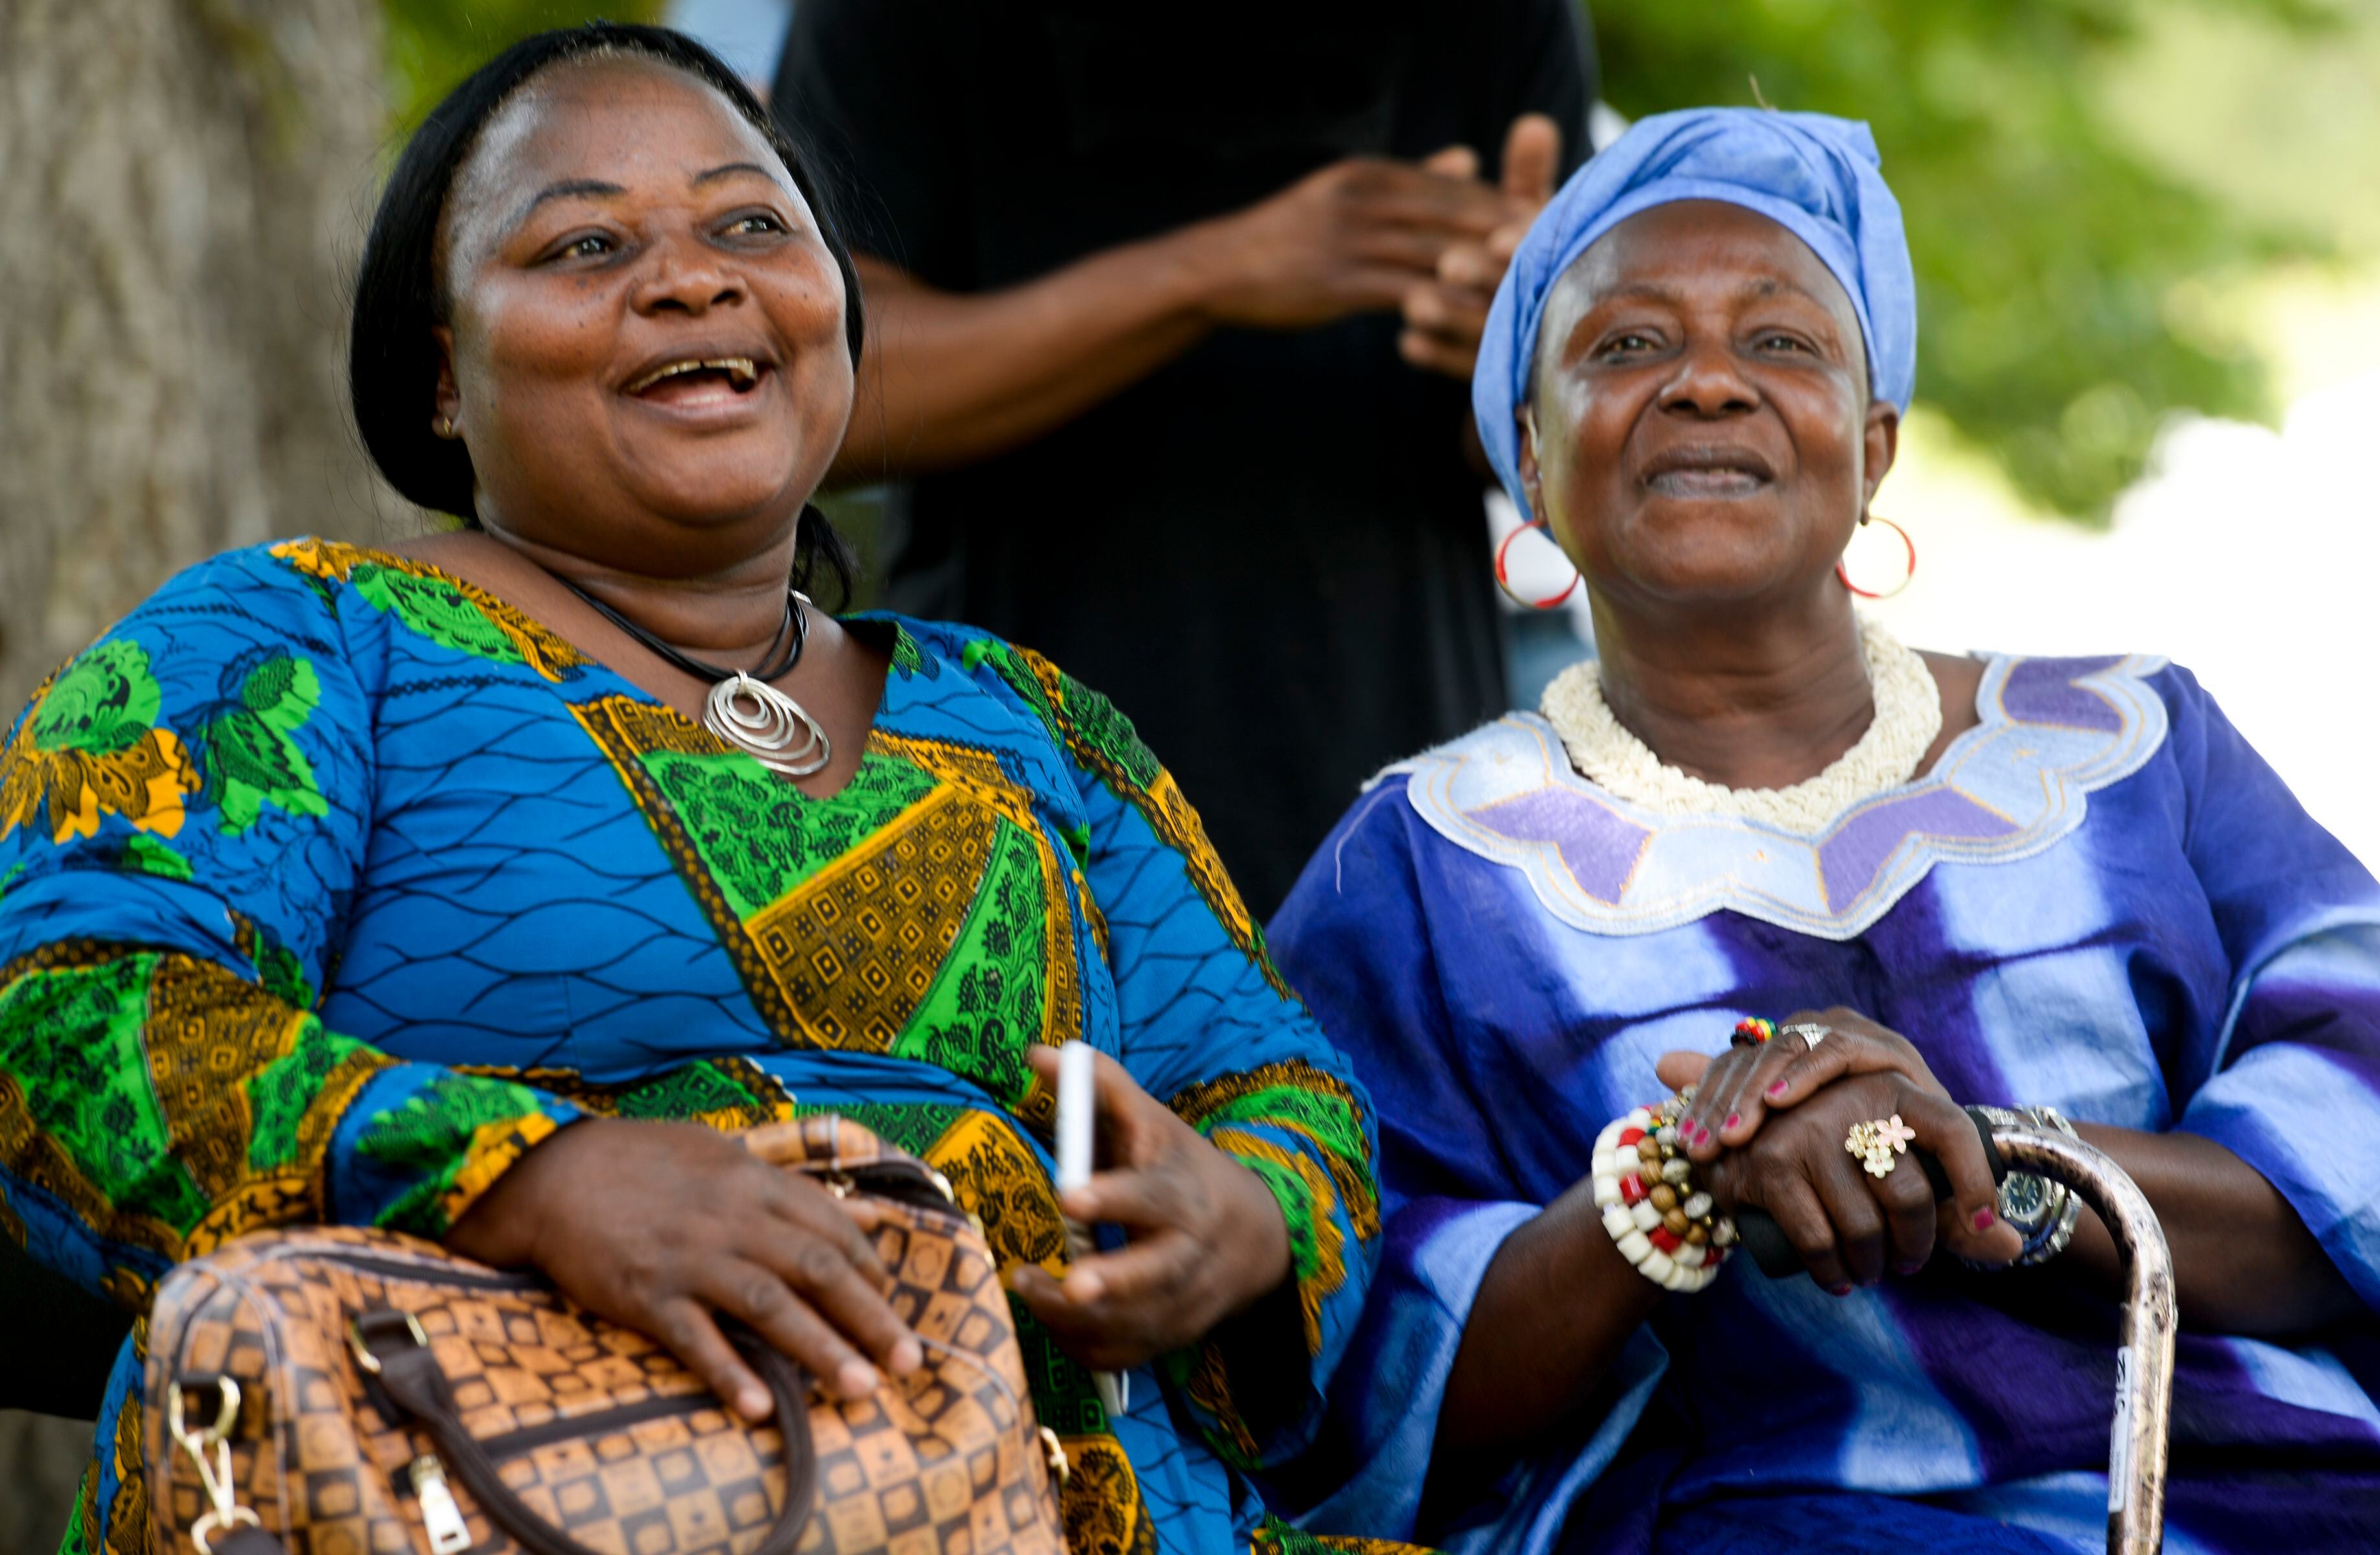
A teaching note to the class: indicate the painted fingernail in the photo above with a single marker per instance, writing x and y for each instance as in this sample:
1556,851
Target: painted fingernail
1733,1118
1778,1089
1840,1291
1984,1218
1907,1268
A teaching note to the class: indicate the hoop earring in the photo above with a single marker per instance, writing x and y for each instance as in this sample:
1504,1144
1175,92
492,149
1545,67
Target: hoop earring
1505,583
1909,572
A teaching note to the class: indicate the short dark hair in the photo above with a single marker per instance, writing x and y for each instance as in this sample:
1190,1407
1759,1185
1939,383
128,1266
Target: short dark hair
391,360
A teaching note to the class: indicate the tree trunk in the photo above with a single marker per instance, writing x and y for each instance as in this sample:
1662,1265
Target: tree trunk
183,186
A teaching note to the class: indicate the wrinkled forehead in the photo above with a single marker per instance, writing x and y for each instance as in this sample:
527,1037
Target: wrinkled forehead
1696,251
618,118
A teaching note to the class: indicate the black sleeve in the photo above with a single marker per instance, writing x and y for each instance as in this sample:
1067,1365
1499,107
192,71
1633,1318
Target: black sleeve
1541,60
859,90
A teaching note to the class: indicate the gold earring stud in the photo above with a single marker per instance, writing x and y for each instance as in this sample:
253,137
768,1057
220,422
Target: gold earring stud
443,426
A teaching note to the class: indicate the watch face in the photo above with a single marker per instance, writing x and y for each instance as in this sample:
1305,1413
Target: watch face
2024,1198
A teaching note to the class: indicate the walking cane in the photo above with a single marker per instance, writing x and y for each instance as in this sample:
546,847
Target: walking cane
2136,1455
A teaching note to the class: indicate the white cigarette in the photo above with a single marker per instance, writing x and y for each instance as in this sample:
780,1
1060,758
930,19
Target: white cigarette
1076,1111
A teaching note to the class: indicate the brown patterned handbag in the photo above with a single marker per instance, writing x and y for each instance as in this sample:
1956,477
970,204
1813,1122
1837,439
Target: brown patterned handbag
333,1392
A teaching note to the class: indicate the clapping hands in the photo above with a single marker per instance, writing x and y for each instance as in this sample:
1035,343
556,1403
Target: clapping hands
1428,241
1446,316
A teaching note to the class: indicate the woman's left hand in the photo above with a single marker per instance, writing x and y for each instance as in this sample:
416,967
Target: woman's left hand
1848,1224
1206,1236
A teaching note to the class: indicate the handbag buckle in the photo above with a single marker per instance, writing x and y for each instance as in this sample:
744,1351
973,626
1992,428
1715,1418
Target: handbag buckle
210,1449
361,1347
1054,1450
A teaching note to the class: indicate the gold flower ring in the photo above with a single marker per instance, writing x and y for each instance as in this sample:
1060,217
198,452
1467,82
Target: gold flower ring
1880,1144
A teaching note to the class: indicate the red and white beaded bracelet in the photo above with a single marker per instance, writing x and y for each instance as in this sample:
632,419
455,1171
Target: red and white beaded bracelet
1664,1226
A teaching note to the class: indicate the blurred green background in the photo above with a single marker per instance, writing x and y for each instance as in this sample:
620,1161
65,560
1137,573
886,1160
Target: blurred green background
431,44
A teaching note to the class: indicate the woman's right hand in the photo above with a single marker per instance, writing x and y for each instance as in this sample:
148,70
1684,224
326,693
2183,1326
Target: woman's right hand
668,1226
1743,1085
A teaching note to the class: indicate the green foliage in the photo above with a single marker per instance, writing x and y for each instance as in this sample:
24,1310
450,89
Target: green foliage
434,43
2047,246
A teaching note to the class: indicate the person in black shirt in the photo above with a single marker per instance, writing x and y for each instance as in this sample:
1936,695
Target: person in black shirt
1173,311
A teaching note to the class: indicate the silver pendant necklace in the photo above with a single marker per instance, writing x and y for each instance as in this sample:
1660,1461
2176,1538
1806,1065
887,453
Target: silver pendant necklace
767,725
746,712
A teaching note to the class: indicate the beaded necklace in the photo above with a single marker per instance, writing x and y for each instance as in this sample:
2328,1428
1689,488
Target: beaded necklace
1908,719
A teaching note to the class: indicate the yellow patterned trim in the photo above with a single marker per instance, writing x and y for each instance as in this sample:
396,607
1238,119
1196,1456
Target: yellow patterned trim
1330,1244
201,1047
328,561
1100,1503
128,1515
604,1098
1170,816
1000,1181
495,1147
978,774
1352,1176
617,724
42,1162
855,948
333,560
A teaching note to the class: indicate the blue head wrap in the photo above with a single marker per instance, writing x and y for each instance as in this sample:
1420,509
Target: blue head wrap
1812,174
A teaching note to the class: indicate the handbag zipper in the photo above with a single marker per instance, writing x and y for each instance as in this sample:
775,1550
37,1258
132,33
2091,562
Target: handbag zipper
427,1274
441,1518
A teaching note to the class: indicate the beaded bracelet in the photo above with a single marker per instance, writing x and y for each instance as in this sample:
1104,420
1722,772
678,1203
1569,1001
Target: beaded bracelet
1664,1226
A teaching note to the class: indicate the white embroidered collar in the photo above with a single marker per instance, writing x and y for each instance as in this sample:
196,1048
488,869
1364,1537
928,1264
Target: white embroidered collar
2052,731
1908,720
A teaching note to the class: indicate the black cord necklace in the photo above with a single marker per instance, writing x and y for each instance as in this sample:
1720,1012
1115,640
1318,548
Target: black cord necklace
795,622
743,709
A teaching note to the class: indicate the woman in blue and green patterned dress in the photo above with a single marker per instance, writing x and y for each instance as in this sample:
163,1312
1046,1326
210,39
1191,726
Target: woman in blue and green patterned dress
431,889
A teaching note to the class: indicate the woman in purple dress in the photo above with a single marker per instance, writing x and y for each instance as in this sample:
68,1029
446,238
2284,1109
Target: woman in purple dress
2067,886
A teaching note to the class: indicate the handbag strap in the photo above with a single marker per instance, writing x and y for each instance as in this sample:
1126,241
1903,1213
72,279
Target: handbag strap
408,1373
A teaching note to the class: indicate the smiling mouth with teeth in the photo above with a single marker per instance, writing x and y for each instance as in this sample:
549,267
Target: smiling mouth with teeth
740,372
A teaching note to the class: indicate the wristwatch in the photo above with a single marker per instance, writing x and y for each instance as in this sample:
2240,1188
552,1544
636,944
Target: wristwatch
2043,1212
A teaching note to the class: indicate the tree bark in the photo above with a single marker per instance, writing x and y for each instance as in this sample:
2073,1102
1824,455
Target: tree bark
183,186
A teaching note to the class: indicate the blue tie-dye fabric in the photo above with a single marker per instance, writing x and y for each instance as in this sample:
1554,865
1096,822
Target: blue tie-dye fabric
2183,948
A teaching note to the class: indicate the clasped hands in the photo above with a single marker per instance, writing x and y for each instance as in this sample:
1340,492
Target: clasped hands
1767,1130
668,1227
1427,239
